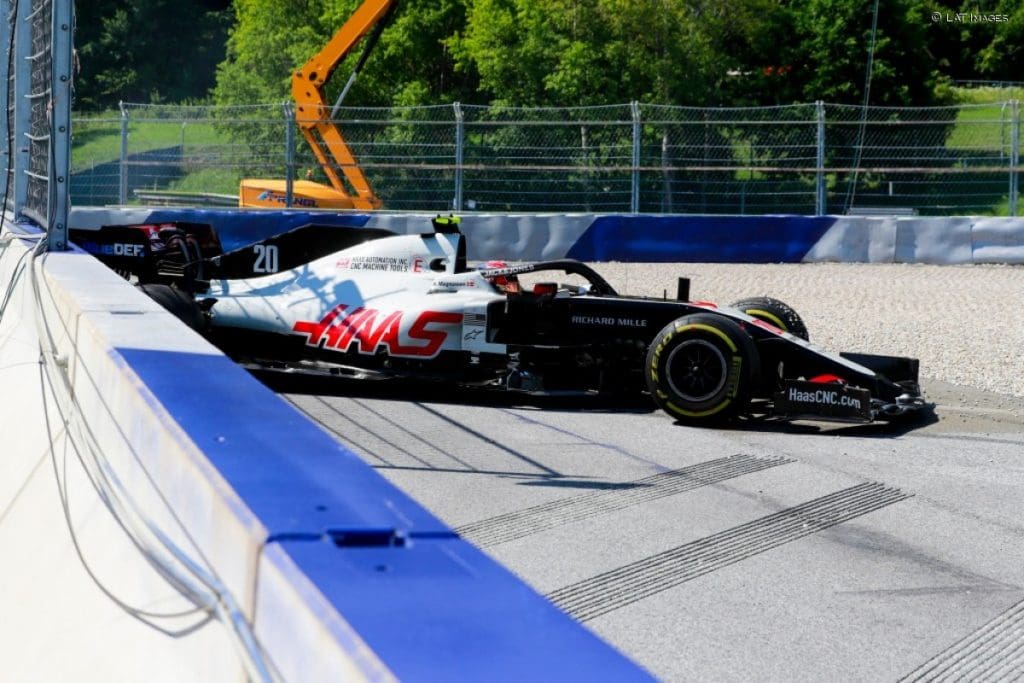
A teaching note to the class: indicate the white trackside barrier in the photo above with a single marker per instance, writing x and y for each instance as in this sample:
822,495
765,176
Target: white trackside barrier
163,517
74,424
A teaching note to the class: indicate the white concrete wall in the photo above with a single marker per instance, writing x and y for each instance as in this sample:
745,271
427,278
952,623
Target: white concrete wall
58,622
938,240
62,620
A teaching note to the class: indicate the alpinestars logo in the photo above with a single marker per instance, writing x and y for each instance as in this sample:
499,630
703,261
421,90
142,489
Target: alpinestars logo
360,328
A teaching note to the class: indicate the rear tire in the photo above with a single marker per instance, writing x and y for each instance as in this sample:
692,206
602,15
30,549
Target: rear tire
700,368
179,304
776,312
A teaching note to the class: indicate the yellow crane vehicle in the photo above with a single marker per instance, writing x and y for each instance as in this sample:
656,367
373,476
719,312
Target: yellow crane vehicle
315,119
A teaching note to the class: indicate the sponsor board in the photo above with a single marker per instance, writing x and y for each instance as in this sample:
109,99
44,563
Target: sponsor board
823,400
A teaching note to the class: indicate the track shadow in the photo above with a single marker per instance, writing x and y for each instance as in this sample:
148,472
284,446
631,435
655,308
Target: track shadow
877,430
411,390
438,392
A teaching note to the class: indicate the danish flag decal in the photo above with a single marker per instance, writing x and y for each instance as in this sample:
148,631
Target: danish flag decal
339,331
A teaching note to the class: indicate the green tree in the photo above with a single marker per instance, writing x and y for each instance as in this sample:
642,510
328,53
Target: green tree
833,39
268,40
579,52
787,52
147,50
410,65
968,42
758,62
1003,57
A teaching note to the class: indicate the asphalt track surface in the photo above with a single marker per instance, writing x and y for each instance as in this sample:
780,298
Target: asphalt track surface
767,551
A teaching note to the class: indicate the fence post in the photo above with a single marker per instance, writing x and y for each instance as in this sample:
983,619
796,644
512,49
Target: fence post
588,191
289,154
6,28
634,200
819,182
666,175
62,21
22,105
460,140
122,191
1014,155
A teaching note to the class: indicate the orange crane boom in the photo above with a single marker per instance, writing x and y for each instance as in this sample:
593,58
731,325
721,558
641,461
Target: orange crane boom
315,120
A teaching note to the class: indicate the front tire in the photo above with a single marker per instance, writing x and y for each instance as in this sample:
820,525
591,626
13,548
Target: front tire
700,368
776,312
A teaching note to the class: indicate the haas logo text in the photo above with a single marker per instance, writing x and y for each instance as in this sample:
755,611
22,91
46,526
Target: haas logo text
360,329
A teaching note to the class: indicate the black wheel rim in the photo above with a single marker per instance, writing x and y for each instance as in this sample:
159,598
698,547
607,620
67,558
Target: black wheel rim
696,370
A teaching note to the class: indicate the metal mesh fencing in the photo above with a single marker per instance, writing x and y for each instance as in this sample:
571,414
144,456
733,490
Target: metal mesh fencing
37,35
936,160
729,160
408,154
548,159
800,159
39,97
141,151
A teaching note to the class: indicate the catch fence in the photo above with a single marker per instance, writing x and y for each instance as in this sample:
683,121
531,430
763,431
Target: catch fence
633,158
37,37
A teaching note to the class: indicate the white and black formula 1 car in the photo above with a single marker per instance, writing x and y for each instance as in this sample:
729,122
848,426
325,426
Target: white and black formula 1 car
368,303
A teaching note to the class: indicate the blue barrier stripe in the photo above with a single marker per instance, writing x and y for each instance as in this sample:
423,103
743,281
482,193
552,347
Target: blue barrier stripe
444,611
293,476
700,239
427,602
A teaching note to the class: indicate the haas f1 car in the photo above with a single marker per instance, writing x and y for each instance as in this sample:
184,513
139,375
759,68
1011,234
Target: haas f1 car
368,303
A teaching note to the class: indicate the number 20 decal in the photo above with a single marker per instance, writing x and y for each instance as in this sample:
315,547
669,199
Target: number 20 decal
266,258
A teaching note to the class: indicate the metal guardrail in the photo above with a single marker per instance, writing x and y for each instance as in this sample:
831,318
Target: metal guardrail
171,198
881,211
975,83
